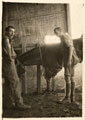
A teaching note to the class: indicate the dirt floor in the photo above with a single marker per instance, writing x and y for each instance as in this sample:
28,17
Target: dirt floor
46,105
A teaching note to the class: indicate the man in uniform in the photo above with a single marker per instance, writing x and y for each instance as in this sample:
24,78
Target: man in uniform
12,96
70,60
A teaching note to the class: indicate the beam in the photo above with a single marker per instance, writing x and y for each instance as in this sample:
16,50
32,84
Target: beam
38,79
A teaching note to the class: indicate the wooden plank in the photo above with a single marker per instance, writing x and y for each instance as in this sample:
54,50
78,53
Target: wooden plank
38,79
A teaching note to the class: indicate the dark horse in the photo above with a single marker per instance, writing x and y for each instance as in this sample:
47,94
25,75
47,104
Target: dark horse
51,57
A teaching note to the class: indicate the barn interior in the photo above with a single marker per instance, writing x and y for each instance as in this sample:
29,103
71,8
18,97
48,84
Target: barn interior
34,21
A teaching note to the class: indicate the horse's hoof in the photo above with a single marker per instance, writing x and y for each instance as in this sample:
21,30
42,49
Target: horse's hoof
64,101
47,91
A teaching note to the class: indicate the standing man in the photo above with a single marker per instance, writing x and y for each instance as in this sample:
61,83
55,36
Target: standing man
70,59
12,96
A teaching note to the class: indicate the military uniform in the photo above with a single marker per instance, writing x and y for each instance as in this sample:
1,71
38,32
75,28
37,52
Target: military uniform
9,73
67,43
69,70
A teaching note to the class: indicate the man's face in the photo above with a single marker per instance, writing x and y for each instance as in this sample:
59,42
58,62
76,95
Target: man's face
11,33
57,32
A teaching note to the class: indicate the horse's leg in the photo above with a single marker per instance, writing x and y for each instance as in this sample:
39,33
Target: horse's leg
72,84
48,85
53,84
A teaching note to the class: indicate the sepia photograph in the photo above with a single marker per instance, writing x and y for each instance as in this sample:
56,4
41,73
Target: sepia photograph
42,60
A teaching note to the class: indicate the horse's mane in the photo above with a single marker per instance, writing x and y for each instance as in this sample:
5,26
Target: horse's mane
78,42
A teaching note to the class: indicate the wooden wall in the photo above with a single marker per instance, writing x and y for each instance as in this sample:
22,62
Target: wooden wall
32,23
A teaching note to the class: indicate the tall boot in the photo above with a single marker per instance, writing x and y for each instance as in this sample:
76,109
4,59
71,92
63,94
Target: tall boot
72,92
67,91
66,99
8,101
68,87
19,104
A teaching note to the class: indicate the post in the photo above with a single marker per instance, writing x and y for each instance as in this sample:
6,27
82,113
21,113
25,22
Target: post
68,18
38,79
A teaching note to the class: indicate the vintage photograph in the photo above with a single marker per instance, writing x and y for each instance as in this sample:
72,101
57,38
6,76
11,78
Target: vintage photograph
42,59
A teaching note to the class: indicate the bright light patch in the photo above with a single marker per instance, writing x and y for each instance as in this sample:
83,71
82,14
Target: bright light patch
51,39
76,15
